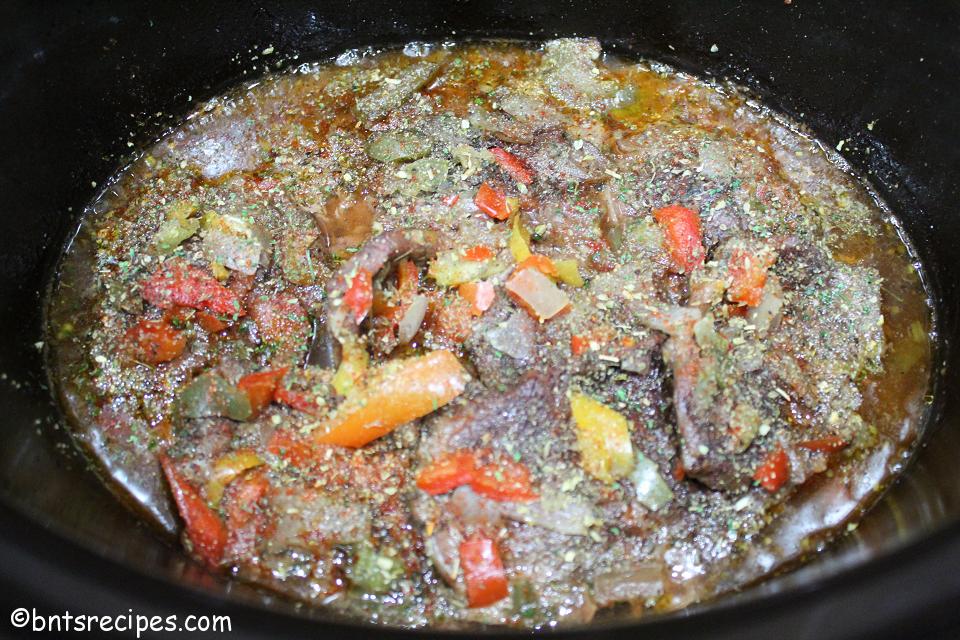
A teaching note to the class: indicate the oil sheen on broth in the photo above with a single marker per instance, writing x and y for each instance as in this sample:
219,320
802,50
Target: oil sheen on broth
491,333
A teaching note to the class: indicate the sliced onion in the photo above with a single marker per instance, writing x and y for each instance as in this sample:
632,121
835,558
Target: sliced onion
514,337
560,512
443,549
412,319
613,218
765,314
641,581
652,491
473,509
537,293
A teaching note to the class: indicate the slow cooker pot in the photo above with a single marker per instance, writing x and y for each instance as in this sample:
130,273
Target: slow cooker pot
82,84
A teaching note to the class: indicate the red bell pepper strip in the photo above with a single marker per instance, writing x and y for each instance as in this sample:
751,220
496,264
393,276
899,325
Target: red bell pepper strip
205,530
579,345
155,341
449,318
478,253
492,202
447,472
774,471
260,387
482,571
296,451
246,520
299,400
359,297
177,283
209,322
408,278
503,481
512,165
281,322
506,481
683,237
748,272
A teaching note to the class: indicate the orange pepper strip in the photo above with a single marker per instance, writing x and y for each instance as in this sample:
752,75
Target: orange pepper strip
579,345
749,275
541,263
205,530
682,235
478,253
400,391
492,202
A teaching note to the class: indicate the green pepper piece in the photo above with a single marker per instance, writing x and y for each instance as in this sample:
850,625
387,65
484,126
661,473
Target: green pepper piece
209,395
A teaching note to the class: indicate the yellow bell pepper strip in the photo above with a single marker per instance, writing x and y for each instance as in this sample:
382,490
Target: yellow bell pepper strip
519,242
569,272
353,365
394,394
226,468
604,439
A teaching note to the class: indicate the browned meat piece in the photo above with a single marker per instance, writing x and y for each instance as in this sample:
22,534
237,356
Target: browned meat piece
501,126
393,92
504,344
532,410
739,399
555,159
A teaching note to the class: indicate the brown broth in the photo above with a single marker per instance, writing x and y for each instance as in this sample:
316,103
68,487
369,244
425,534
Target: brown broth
122,428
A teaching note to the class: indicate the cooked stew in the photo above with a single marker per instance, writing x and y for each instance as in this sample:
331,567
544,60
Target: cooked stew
492,333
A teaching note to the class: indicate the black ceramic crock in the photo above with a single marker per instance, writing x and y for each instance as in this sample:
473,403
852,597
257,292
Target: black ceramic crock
81,80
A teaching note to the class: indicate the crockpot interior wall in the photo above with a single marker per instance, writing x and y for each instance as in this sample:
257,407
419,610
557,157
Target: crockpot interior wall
80,81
